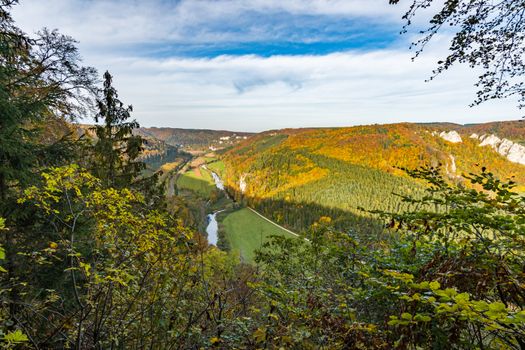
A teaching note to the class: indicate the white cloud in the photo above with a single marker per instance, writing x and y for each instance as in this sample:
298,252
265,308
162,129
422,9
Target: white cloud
120,22
256,93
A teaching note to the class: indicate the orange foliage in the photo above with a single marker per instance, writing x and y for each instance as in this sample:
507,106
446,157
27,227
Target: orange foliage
383,147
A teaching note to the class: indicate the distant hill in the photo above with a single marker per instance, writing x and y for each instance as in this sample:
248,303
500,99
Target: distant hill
195,139
333,171
155,154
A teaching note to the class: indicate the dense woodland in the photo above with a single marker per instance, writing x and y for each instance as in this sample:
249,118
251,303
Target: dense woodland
296,188
96,256
346,173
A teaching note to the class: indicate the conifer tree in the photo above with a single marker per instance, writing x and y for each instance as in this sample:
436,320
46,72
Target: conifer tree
117,149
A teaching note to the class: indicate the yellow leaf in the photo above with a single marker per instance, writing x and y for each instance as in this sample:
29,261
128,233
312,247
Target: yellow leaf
215,340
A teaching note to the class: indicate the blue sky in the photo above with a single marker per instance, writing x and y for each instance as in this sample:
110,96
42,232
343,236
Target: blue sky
264,64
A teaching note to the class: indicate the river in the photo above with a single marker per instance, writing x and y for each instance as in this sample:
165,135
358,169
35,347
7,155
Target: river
218,181
213,227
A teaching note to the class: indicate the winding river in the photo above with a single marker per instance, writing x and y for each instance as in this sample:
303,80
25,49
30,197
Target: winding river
218,182
213,227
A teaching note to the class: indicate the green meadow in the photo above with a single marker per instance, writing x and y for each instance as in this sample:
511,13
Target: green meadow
247,231
197,180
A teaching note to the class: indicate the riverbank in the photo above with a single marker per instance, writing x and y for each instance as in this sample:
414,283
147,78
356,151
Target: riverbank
226,224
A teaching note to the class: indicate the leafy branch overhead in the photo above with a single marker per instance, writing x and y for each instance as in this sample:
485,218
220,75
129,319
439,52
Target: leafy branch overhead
485,34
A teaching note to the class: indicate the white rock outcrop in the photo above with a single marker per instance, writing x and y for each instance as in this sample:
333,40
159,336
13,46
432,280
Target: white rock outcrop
451,136
474,136
452,164
490,140
242,183
451,168
511,150
516,154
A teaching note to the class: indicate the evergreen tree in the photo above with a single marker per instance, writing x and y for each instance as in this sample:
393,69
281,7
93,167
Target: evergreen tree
117,149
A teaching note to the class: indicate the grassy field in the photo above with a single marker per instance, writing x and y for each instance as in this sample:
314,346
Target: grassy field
217,166
246,231
198,180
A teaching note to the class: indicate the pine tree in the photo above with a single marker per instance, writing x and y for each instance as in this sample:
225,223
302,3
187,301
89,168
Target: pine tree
116,149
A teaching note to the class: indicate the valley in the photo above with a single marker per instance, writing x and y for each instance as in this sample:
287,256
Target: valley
285,182
225,223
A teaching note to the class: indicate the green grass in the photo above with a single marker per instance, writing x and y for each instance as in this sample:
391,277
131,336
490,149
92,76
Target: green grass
202,185
217,167
246,232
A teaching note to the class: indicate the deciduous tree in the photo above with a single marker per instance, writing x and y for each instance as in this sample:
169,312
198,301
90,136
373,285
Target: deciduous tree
485,34
116,148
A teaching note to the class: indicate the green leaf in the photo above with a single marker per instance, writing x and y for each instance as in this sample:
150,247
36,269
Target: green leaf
498,306
15,337
520,316
406,316
422,318
434,285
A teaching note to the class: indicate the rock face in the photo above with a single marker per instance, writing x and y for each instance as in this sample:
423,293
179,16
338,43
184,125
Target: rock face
451,136
512,151
242,183
490,140
452,169
452,164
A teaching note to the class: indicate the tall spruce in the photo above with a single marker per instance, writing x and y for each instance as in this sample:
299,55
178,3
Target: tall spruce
117,149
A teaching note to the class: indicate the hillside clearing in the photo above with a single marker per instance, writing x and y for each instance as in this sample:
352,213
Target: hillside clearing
246,231
197,180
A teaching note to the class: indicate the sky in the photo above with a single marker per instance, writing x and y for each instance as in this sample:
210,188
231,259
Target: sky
254,65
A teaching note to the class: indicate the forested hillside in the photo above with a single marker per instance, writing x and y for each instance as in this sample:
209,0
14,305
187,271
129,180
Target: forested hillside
194,139
335,172
513,130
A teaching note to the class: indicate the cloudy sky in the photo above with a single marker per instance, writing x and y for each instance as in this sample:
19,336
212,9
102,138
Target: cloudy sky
254,65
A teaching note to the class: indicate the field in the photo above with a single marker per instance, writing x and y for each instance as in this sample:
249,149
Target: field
217,166
198,180
246,231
